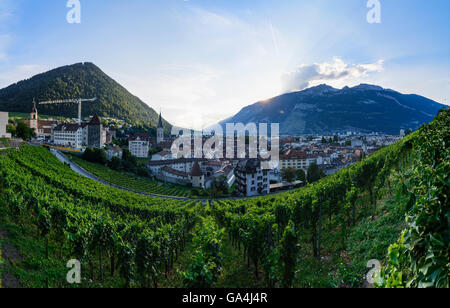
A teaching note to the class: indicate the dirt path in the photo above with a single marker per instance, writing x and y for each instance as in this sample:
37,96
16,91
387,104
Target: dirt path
10,256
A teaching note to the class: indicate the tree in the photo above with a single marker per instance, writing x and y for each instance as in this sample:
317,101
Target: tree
219,186
115,163
314,173
11,128
23,131
301,175
129,162
95,156
288,174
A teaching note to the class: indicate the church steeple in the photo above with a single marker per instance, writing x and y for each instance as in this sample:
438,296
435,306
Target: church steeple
34,113
160,130
160,123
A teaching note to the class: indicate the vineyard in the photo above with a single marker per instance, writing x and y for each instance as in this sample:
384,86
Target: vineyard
321,235
132,181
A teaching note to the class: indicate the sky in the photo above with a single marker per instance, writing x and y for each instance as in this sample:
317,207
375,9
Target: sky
201,61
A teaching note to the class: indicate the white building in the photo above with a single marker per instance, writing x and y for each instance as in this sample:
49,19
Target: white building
139,145
70,135
3,125
294,159
251,180
164,155
114,152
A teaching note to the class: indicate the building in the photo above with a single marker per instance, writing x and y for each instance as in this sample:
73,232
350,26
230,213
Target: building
70,135
3,125
42,128
96,136
182,164
251,179
196,176
114,151
160,131
170,175
163,155
294,159
228,172
139,144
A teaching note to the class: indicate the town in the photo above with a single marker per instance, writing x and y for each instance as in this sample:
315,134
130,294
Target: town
302,159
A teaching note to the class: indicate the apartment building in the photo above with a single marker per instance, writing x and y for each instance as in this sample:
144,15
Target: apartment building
251,179
139,145
70,135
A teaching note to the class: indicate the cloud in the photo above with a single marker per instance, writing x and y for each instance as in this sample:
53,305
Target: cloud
305,75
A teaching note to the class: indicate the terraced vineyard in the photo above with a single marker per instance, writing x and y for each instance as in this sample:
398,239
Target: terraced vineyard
132,181
321,235
89,221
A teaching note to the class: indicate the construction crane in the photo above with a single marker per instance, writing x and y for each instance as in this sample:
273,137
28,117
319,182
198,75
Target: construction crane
78,101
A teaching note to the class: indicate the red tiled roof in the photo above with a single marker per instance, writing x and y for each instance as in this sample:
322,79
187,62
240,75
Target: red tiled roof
174,172
67,127
141,136
294,154
196,171
95,120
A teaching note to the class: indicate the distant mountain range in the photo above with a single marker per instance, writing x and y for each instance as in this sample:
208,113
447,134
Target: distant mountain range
324,109
81,80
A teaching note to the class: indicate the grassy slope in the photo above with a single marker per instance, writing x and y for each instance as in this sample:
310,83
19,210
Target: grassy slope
131,181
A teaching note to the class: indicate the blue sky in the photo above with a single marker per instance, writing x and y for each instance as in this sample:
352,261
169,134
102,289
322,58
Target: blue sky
200,61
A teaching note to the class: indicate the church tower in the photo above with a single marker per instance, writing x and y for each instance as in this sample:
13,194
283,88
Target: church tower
34,117
160,131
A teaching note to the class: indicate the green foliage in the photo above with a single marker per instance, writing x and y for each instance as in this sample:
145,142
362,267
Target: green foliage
115,163
95,156
23,131
300,175
421,256
131,181
78,217
206,262
314,173
289,250
288,174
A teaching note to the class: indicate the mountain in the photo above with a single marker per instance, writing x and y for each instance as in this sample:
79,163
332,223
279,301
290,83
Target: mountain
81,80
324,109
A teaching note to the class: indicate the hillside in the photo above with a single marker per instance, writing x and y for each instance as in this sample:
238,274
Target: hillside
81,80
324,109
321,235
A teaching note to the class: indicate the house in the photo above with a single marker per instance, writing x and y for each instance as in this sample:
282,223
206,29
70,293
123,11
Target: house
294,159
114,151
163,155
251,179
3,125
96,136
211,167
228,172
196,176
138,144
112,131
70,135
174,176
42,128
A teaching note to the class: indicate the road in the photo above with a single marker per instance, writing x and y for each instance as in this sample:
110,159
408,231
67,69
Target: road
61,157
